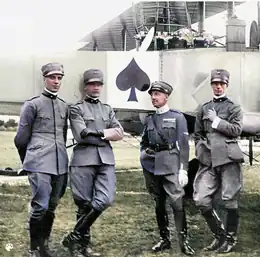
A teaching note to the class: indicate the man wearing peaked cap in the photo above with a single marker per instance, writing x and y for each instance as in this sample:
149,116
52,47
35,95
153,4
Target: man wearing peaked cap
164,158
52,68
160,86
93,125
218,125
220,75
41,144
93,75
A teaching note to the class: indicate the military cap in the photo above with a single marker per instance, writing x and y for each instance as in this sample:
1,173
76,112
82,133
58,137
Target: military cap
219,75
160,86
52,68
93,75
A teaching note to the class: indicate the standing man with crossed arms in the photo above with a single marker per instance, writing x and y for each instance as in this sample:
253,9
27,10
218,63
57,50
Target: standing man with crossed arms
92,167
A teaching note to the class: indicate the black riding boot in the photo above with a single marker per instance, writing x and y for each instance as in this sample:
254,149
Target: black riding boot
181,227
231,226
47,228
87,236
35,230
216,227
162,221
85,242
73,241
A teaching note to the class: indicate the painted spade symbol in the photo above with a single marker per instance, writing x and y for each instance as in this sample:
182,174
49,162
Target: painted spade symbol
132,77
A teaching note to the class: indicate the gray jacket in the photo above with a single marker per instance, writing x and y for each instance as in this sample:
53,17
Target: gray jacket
42,133
165,156
94,148
218,146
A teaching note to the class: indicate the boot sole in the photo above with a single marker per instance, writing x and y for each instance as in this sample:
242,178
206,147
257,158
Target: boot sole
161,250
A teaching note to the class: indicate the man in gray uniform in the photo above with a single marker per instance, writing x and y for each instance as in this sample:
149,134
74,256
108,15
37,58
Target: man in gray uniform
41,143
164,158
92,167
218,125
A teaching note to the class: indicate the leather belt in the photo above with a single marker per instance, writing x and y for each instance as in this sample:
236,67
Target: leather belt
159,148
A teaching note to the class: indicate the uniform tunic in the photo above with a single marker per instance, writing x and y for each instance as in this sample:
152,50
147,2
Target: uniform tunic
92,173
219,153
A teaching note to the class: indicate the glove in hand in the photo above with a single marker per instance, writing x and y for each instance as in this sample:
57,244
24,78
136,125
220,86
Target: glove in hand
183,178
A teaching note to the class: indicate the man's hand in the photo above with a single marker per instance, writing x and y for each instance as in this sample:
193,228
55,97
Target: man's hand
183,178
88,132
212,114
149,151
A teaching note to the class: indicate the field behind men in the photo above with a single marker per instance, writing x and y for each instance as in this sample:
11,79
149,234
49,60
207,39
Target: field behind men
128,228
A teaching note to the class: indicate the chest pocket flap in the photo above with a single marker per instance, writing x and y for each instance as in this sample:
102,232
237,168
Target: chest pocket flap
44,116
169,123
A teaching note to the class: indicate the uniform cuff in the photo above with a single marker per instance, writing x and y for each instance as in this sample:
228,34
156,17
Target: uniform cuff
215,122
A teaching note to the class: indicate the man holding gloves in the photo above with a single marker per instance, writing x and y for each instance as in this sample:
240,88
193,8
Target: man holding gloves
218,125
164,159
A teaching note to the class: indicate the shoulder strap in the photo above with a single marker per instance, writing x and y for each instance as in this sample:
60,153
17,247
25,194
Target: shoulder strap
156,130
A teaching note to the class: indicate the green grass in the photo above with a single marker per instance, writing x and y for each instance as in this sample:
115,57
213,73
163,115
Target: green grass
128,226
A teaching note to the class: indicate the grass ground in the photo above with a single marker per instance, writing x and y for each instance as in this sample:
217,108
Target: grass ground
128,228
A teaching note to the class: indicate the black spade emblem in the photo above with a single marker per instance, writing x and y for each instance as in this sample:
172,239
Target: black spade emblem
132,77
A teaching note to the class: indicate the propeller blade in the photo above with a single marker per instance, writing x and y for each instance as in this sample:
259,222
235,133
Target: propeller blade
147,41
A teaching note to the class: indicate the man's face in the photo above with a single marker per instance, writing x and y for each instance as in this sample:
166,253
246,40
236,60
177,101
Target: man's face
53,82
218,88
93,89
159,99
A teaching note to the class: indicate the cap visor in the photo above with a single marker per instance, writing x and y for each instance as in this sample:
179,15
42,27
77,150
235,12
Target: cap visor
218,80
156,89
95,80
54,73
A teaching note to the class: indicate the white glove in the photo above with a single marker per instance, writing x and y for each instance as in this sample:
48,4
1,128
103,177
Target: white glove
183,177
212,114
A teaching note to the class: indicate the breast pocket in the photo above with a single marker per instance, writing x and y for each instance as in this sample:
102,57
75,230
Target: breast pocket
44,119
169,129
88,120
224,116
106,122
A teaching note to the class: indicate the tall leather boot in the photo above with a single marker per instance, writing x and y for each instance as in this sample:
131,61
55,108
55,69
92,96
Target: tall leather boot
87,236
231,222
216,227
163,223
47,228
35,231
73,241
181,227
85,242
